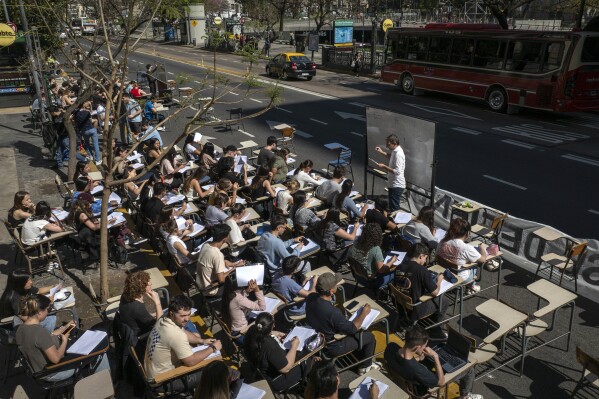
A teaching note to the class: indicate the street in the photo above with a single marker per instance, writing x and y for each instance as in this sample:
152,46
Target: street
533,165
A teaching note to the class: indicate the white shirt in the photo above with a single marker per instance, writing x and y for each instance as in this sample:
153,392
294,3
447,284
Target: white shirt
235,235
170,244
190,149
458,252
397,162
33,231
303,178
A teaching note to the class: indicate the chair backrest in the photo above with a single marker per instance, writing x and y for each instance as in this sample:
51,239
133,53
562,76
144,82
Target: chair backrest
357,269
586,361
403,302
288,132
498,222
405,385
140,368
345,154
96,386
577,250
15,235
446,263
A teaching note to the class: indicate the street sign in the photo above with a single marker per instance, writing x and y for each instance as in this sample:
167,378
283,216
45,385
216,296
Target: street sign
218,20
194,23
7,35
387,24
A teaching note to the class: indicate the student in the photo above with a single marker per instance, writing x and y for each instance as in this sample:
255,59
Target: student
301,215
20,284
207,157
367,251
236,306
37,227
134,113
132,309
218,381
261,187
453,248
323,382
169,168
329,188
285,285
422,229
267,152
406,362
278,166
395,177
22,209
332,236
264,350
325,318
422,282
302,174
149,132
225,187
88,131
284,198
87,226
379,214
82,169
154,150
132,188
193,154
169,344
212,267
42,348
215,213
346,204
193,184
273,248
175,244
237,214
151,114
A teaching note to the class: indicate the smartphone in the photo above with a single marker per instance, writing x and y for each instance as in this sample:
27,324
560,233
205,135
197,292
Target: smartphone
305,241
64,323
352,305
69,329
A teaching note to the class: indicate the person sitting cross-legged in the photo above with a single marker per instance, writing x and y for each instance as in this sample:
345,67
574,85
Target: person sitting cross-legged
169,344
406,362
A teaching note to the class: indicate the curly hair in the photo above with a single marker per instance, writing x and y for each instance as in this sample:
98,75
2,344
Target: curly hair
372,236
135,285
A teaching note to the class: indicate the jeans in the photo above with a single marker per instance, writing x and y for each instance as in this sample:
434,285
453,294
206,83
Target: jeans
382,280
395,197
63,151
154,135
93,135
63,375
49,322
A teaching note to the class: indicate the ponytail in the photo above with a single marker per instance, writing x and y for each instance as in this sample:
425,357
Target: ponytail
31,305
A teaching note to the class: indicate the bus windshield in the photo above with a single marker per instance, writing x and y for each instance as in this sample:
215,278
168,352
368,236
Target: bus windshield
590,50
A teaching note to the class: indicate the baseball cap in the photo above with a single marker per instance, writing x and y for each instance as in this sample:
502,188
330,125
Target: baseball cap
327,281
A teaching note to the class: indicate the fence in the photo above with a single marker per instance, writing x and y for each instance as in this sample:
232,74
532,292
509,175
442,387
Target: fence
341,57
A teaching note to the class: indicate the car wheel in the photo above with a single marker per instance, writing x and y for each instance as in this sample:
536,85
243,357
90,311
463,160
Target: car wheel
309,77
497,99
284,75
407,83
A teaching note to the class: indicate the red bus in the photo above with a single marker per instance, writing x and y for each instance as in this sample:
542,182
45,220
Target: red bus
555,71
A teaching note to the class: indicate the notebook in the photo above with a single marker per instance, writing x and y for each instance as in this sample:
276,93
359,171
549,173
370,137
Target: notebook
454,353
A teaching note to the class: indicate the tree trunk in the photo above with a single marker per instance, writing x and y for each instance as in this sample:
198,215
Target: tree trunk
500,16
72,147
104,288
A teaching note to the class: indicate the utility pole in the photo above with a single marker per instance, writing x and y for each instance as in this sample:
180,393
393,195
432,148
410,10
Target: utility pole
578,17
5,11
32,63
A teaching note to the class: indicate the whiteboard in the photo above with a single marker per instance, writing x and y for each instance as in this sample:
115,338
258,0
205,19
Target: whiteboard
416,138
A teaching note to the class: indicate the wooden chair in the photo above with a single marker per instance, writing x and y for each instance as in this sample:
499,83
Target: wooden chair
9,346
361,277
96,386
569,261
286,140
231,339
289,318
405,306
490,234
590,371
107,309
408,387
64,190
152,389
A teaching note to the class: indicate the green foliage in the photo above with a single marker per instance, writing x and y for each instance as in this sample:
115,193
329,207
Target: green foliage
182,78
275,94
251,81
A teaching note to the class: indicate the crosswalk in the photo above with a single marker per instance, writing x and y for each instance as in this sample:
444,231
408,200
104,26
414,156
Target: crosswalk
585,120
541,133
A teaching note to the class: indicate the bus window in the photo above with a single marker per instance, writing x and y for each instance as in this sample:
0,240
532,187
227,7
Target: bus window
524,56
438,50
461,51
590,50
553,56
489,54
417,47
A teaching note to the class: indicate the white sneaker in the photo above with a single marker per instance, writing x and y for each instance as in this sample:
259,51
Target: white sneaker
373,366
473,396
161,129
98,163
473,288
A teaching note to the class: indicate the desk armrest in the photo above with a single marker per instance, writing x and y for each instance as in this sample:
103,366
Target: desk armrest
182,370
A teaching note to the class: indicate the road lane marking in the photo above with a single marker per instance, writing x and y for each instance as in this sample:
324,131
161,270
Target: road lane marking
505,182
284,110
467,131
356,134
519,144
581,159
537,132
232,92
170,73
317,121
198,82
347,115
359,105
441,111
594,211
246,133
258,101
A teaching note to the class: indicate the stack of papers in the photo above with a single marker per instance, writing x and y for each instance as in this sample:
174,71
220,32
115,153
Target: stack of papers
271,305
201,348
402,217
207,187
350,229
363,390
137,165
250,392
134,157
439,234
250,272
114,197
400,257
96,189
118,218
173,198
87,342
197,229
369,318
60,214
301,333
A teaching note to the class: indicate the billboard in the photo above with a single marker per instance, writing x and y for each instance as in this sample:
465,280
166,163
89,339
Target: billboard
343,32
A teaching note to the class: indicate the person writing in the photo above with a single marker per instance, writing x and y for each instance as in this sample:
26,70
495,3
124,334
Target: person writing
397,163
323,382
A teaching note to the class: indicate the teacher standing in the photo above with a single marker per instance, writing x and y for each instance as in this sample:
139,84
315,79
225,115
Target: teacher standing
395,169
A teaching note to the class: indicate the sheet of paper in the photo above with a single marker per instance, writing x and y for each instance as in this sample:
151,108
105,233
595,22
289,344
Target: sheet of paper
353,193
240,200
114,197
445,285
87,342
291,172
199,247
134,157
251,272
350,229
402,217
181,223
240,160
250,392
96,189
290,160
306,248
185,169
363,390
197,229
271,305
172,199
400,257
207,187
118,218
197,137
302,333
60,214
137,165
369,318
439,234
363,204
308,285
277,189
202,347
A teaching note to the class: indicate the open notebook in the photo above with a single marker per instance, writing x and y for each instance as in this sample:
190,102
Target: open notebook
369,318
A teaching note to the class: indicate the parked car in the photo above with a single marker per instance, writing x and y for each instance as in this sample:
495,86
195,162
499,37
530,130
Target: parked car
291,65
